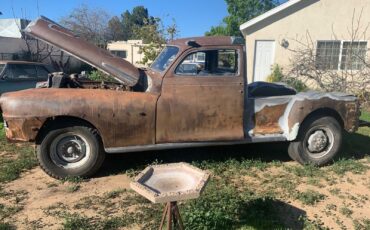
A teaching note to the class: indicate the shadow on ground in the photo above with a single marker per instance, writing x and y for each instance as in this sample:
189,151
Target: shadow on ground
266,152
356,146
270,213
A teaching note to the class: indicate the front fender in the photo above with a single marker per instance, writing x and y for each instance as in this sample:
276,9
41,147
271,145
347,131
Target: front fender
122,118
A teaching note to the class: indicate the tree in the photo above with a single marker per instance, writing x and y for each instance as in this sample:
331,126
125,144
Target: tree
353,75
154,38
116,29
172,30
90,24
131,21
241,11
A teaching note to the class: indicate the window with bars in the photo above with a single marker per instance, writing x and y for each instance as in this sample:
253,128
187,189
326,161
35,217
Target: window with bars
353,55
327,55
343,55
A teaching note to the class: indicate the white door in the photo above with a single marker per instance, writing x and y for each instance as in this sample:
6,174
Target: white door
263,59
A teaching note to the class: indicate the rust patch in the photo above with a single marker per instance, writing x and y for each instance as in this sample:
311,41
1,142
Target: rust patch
348,111
267,120
22,129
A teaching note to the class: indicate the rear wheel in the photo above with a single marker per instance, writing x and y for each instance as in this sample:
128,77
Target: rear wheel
318,142
71,151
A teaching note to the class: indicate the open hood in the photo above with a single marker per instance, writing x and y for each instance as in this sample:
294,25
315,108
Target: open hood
56,35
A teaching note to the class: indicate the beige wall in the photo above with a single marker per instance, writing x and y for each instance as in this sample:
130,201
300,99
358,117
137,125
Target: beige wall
132,48
321,19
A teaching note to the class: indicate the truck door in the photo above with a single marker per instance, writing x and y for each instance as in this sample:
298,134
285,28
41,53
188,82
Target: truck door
202,97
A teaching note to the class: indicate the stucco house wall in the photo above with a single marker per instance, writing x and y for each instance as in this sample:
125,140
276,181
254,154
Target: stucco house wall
305,21
132,48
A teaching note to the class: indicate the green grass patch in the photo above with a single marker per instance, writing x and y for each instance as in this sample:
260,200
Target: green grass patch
74,179
310,197
304,171
365,116
361,224
73,188
7,211
76,221
346,211
114,194
6,226
15,158
348,165
222,206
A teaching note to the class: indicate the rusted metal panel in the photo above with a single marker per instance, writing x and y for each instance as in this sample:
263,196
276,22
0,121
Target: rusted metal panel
54,34
266,121
23,129
200,109
122,118
302,106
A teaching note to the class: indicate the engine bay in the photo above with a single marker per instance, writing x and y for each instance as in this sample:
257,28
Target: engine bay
62,80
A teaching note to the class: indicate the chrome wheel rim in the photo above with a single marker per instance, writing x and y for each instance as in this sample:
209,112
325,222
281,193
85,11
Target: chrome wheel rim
319,142
70,150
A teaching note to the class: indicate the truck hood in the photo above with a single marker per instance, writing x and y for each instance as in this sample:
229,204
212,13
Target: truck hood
56,35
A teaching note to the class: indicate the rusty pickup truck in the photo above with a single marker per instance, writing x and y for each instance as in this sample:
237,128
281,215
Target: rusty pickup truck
194,94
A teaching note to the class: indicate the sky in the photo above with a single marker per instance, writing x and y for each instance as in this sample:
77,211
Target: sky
193,17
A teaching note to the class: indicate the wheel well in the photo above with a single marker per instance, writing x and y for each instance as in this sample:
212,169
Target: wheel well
325,112
61,122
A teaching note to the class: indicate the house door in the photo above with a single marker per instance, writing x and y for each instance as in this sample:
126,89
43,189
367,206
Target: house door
263,59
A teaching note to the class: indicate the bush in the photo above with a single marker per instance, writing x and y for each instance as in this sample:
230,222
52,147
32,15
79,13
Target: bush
97,75
278,76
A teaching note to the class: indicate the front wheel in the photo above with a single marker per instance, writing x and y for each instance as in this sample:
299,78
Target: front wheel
71,151
319,141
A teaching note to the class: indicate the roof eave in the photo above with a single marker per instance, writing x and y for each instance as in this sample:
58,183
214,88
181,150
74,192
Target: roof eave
266,15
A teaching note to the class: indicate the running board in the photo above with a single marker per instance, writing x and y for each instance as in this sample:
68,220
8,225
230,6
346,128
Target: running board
142,148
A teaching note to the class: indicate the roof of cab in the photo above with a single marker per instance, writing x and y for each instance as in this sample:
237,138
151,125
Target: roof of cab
209,41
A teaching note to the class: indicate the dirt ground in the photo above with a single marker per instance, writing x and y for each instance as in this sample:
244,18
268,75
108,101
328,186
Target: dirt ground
42,200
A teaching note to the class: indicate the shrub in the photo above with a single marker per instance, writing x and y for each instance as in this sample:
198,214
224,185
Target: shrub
97,75
278,76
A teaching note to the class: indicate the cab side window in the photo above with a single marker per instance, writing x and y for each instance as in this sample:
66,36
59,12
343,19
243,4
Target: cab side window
23,71
223,62
42,72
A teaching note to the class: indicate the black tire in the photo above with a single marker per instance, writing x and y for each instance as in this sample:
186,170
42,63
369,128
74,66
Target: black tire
319,141
58,151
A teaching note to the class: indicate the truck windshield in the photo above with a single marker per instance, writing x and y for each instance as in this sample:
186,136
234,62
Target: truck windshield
165,58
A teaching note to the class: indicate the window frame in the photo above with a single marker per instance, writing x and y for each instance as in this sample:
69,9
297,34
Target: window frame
205,49
341,54
339,67
115,52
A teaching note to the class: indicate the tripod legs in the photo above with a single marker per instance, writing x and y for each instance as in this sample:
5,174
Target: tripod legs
171,210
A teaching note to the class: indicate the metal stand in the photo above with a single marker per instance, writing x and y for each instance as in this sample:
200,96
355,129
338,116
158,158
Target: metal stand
173,216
